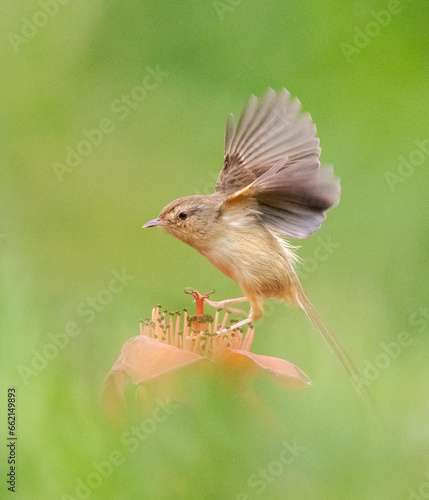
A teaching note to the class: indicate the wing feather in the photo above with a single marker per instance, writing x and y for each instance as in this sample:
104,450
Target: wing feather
268,130
229,132
293,197
275,150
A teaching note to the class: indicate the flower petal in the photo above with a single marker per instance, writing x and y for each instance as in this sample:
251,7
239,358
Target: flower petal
283,371
112,398
144,358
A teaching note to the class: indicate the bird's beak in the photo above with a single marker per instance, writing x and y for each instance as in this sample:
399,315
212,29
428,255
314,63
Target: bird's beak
156,222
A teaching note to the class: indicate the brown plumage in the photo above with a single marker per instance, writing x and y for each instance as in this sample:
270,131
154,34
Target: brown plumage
270,188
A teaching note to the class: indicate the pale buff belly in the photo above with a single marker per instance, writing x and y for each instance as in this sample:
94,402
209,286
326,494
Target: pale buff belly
260,269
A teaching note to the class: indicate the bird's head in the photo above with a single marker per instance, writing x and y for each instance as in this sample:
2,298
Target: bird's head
190,219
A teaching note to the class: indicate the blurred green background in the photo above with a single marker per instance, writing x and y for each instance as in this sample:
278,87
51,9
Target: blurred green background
362,70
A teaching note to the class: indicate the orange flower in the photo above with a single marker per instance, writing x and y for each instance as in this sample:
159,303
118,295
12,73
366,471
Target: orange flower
167,344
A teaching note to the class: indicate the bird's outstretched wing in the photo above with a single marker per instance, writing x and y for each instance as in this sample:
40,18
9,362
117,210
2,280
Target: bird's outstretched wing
273,156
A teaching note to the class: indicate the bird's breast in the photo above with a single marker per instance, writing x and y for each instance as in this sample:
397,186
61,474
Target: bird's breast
227,247
240,255
253,257
222,255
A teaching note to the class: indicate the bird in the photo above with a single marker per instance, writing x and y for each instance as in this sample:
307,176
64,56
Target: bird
272,188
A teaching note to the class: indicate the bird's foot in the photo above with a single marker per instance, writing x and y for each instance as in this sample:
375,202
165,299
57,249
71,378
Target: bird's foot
225,304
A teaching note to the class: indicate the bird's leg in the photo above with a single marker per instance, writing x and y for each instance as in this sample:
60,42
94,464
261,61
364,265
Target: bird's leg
224,304
241,323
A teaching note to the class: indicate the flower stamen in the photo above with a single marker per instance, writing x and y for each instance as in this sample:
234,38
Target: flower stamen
201,334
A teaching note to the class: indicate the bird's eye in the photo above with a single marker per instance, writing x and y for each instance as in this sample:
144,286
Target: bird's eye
183,215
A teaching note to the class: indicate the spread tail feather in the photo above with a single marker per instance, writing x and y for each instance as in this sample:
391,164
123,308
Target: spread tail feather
338,350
